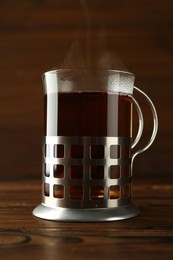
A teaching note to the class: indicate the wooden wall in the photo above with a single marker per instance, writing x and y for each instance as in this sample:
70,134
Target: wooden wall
36,35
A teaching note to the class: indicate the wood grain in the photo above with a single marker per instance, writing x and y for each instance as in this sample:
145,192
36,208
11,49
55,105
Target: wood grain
147,236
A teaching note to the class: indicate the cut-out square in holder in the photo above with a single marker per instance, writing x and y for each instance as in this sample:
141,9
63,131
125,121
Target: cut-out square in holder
114,192
114,172
96,192
76,192
114,151
46,169
76,171
126,171
46,190
58,171
77,151
47,150
58,191
97,151
59,151
97,172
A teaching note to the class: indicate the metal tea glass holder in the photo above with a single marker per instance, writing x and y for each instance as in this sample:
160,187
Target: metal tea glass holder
70,190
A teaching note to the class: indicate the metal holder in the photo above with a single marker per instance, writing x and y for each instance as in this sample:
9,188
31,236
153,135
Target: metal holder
88,179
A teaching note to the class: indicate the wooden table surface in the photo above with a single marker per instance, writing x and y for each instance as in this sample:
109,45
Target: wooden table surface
39,35
147,236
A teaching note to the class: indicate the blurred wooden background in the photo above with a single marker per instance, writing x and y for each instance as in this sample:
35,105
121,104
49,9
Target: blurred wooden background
36,36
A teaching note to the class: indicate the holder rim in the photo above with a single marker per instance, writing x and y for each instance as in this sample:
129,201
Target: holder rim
85,215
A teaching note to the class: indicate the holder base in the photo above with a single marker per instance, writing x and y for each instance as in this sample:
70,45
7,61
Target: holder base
85,215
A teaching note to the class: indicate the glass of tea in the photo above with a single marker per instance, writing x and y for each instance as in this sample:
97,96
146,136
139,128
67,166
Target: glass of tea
88,144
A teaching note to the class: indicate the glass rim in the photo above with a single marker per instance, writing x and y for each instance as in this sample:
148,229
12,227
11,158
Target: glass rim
55,71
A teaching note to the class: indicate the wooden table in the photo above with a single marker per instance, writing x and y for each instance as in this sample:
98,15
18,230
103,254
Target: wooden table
147,236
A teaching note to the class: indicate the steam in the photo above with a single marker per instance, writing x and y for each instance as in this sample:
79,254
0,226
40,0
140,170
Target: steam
82,56
75,58
110,60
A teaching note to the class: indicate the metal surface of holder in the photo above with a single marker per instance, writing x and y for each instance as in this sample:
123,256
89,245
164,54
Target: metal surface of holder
85,215
81,196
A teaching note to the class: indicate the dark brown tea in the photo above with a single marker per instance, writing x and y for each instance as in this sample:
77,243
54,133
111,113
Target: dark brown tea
88,114
96,114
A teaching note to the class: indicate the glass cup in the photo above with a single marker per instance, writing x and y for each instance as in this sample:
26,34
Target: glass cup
88,146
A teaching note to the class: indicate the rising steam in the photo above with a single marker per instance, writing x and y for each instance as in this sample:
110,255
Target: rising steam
86,56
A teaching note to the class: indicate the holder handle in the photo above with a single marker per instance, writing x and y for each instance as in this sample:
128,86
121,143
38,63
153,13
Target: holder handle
141,123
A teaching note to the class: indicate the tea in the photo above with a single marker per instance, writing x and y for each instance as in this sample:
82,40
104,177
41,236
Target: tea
88,114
